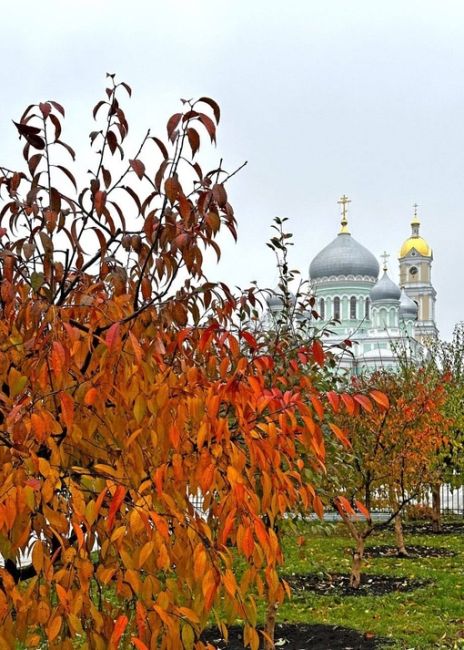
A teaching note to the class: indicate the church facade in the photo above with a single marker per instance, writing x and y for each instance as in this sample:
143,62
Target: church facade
358,301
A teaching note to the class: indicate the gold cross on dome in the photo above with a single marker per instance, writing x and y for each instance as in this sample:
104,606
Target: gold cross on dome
343,202
385,257
415,206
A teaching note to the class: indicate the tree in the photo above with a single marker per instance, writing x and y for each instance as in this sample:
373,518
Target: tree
128,384
392,452
447,360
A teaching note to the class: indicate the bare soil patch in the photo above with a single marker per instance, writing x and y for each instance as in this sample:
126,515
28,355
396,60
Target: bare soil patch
425,528
339,584
304,637
414,552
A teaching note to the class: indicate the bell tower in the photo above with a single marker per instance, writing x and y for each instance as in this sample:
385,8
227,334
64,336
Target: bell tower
415,260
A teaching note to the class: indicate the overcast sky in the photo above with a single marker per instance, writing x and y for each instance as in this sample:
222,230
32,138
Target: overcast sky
321,98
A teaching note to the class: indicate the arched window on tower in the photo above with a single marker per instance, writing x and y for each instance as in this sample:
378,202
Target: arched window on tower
336,308
367,309
322,308
353,308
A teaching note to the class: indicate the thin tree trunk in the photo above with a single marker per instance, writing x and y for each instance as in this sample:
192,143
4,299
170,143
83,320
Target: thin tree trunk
367,496
269,624
436,508
402,552
355,577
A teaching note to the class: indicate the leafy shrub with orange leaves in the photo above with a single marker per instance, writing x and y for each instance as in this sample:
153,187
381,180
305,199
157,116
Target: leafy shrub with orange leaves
127,386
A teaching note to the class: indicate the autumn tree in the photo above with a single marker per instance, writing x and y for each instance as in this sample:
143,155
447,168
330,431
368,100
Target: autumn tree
392,452
129,383
447,360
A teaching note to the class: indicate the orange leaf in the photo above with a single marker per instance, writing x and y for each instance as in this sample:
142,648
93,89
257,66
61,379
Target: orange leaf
140,645
58,358
229,582
118,631
54,627
362,509
248,543
38,425
136,347
118,498
91,396
340,435
67,409
380,398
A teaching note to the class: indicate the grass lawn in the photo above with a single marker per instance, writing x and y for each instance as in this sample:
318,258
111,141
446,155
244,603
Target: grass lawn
428,617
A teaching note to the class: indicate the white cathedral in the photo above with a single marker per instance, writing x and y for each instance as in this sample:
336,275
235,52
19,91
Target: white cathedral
382,319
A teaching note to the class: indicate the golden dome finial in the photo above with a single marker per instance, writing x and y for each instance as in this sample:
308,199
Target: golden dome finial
385,257
344,222
415,241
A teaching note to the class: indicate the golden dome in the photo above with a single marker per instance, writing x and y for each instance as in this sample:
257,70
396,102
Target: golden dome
419,244
415,240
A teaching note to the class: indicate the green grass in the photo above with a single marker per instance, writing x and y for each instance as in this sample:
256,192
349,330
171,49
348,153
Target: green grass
429,617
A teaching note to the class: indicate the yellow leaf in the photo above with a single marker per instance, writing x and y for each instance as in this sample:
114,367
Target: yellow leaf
145,552
140,408
37,556
43,612
54,627
188,637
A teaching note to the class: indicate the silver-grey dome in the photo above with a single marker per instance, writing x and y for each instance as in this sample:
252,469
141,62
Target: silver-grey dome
343,256
408,308
275,300
385,289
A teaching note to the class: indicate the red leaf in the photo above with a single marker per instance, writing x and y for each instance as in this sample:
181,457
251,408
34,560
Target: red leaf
349,403
99,202
138,167
194,140
162,147
112,336
364,401
334,400
214,106
58,107
45,109
172,124
127,87
318,352
220,194
171,187
209,125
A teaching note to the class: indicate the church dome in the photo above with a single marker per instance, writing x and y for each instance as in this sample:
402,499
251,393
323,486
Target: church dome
415,241
408,308
343,256
385,289
275,300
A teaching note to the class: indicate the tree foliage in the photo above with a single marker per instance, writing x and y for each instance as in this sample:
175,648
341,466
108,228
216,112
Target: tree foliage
128,385
392,450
